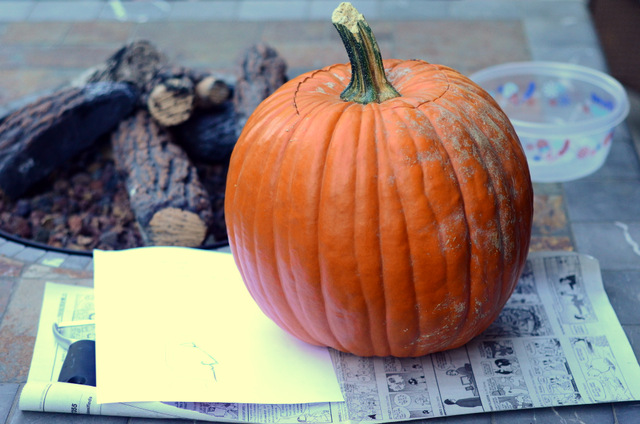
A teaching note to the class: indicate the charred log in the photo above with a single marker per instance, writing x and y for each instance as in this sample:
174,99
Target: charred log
261,72
39,137
136,63
170,204
210,134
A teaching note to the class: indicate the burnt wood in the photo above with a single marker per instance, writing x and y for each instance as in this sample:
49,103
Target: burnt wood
39,137
137,63
210,134
261,72
170,204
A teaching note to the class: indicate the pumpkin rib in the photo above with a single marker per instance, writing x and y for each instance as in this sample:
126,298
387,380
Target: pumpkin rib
399,262
512,152
503,194
298,164
367,151
474,278
258,161
327,249
487,157
413,136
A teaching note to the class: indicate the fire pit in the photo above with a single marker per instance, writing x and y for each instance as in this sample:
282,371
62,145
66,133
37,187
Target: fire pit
133,153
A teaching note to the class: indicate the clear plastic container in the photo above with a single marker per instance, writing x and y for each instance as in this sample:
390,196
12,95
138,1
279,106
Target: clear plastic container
564,114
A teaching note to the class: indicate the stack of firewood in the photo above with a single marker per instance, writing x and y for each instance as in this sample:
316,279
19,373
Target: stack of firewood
160,118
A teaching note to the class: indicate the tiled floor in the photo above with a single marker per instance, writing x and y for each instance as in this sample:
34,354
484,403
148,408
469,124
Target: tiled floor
45,43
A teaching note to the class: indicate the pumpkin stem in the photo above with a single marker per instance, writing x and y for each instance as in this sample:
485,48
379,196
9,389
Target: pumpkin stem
368,81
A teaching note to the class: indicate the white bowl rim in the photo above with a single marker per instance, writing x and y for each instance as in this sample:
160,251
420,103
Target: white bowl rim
568,70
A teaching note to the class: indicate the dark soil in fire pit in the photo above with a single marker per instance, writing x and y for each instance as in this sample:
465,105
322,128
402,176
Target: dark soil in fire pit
84,206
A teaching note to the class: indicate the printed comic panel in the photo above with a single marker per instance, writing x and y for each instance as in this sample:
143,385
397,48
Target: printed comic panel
520,321
457,382
526,290
408,405
605,380
319,413
495,349
356,369
544,347
508,392
392,364
363,402
407,381
572,303
214,409
84,307
550,373
501,366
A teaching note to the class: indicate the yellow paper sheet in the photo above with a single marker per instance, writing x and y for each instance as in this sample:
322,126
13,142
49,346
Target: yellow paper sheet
178,324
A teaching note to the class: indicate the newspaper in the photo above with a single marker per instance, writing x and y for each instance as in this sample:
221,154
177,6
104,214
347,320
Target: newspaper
557,342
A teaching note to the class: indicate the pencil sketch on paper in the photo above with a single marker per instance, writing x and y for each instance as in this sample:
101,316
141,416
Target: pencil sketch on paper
191,360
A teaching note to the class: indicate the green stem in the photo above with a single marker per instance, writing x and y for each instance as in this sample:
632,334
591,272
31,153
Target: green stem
368,81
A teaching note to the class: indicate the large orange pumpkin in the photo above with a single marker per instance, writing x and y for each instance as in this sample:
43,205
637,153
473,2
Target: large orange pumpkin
392,221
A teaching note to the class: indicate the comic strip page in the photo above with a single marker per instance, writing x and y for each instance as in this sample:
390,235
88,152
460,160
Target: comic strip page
557,342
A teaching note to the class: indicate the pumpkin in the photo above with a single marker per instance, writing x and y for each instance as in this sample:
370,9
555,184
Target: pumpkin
379,207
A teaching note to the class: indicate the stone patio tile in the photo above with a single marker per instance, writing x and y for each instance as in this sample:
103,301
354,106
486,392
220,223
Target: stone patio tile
583,414
8,394
611,244
633,334
542,243
154,420
322,10
457,43
204,10
74,274
128,11
580,55
53,259
549,217
6,287
66,11
23,83
100,33
18,331
415,9
10,248
78,57
481,418
627,412
10,267
17,10
623,290
30,254
592,200
25,33
201,44
29,417
560,31
265,10
76,262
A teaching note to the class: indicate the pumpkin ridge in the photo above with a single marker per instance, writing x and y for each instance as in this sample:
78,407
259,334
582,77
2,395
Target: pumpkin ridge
442,236
264,184
384,141
297,163
382,310
412,255
464,319
325,281
509,150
